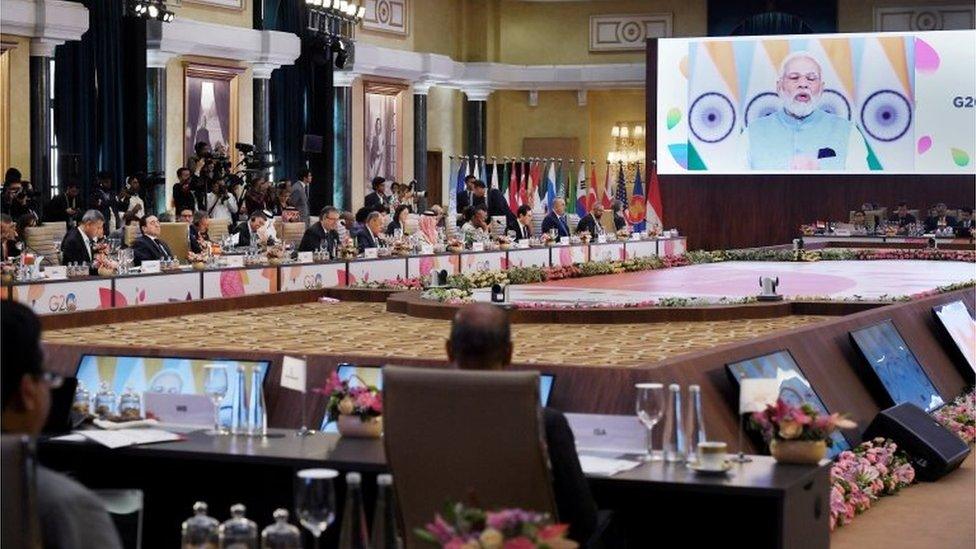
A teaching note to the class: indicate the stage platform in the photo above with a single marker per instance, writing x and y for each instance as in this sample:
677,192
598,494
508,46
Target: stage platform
836,280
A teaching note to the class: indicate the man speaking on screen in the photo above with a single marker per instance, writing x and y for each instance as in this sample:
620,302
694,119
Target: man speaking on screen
801,135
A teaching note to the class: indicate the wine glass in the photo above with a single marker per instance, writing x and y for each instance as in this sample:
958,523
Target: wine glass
215,385
650,408
315,500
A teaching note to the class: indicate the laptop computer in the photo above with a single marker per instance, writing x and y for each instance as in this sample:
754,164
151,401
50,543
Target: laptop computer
373,375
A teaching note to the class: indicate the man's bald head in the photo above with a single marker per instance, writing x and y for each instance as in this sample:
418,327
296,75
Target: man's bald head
481,338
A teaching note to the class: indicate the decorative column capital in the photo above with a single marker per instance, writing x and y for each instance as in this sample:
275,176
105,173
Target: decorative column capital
477,94
422,88
157,59
262,71
43,47
343,79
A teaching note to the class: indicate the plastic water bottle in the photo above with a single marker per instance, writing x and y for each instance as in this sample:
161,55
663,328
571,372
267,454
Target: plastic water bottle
353,534
257,418
200,531
384,516
281,535
238,532
674,432
695,423
239,425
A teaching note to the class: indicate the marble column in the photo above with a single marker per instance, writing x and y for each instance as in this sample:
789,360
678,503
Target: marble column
342,141
156,124
475,123
420,91
261,73
41,135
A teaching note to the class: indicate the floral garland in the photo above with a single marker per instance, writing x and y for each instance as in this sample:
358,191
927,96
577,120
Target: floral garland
860,476
840,254
959,416
415,283
463,527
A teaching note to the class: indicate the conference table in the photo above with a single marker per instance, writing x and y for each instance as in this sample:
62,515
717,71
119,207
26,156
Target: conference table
89,293
655,504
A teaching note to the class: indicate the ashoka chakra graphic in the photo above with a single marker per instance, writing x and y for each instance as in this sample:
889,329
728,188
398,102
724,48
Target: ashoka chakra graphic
711,117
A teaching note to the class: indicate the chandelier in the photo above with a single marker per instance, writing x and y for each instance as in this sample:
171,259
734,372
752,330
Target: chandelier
628,143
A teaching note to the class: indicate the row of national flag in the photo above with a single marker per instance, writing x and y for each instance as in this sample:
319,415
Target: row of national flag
538,182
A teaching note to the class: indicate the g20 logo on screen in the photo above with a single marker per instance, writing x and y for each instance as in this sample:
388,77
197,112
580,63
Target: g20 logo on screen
961,102
60,303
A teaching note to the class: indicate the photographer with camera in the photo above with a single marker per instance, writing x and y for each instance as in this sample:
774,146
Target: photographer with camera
201,151
258,197
14,200
221,203
103,200
64,207
183,197
129,199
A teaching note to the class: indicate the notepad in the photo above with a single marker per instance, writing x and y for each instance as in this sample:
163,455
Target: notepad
129,437
594,465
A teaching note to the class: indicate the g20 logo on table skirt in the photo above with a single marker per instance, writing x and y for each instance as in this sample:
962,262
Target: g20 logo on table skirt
59,303
311,282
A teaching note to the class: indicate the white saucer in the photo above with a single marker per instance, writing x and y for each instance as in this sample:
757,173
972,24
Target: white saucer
703,471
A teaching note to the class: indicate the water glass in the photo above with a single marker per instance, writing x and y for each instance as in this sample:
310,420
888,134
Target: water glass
315,500
650,409
215,386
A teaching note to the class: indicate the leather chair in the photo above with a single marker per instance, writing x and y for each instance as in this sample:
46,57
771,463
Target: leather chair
292,232
453,435
177,236
19,524
46,239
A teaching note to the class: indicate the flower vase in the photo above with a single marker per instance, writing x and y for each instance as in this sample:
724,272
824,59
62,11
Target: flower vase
801,452
352,426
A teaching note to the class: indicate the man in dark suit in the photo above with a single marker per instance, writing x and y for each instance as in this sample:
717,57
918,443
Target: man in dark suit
591,222
102,198
251,232
299,194
964,226
377,200
323,234
902,217
149,247
465,198
78,243
523,223
556,219
939,219
199,235
65,206
369,236
481,339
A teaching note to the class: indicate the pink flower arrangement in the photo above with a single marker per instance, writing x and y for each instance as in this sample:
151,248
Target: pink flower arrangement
463,527
959,416
348,398
782,421
860,476
398,283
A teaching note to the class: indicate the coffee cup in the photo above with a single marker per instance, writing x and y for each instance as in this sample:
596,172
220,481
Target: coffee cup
711,455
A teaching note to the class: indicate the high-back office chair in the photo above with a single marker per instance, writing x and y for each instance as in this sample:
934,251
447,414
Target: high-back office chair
45,239
455,435
177,236
292,232
218,229
18,522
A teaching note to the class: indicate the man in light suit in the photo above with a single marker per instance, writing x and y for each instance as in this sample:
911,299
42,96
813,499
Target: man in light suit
556,219
299,194
149,247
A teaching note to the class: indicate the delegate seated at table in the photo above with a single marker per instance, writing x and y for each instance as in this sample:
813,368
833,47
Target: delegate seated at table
324,234
939,219
369,236
481,339
523,224
76,247
902,218
964,225
591,222
556,219
69,515
149,247
254,231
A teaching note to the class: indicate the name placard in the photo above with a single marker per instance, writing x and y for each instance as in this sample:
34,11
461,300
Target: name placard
371,253
426,249
232,261
564,241
522,244
601,239
150,267
56,272
477,246
635,237
305,257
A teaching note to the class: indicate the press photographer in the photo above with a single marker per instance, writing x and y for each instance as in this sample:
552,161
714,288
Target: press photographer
221,204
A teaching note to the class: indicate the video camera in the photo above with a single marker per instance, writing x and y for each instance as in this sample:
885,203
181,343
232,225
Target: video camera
250,162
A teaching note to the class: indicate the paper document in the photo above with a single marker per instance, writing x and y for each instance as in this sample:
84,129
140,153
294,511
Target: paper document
293,373
129,437
593,465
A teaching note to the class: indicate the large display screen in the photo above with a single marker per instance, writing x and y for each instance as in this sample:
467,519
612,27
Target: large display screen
834,103
372,375
793,386
164,375
961,327
896,367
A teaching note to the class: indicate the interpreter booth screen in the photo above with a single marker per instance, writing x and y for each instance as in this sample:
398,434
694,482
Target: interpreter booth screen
373,375
895,366
793,386
173,375
832,103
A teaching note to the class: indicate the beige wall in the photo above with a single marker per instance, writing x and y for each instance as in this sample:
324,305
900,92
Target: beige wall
858,16
434,27
17,111
445,129
210,14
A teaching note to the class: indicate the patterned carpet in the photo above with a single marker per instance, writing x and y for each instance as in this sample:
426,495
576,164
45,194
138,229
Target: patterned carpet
367,329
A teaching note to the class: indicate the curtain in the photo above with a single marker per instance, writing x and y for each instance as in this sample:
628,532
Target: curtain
193,92
74,100
222,99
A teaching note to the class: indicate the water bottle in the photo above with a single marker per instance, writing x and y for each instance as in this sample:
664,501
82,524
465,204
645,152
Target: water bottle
695,423
353,534
238,532
257,419
281,535
239,424
384,516
674,433
200,531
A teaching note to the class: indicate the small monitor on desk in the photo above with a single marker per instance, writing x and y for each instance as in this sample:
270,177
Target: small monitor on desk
373,375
